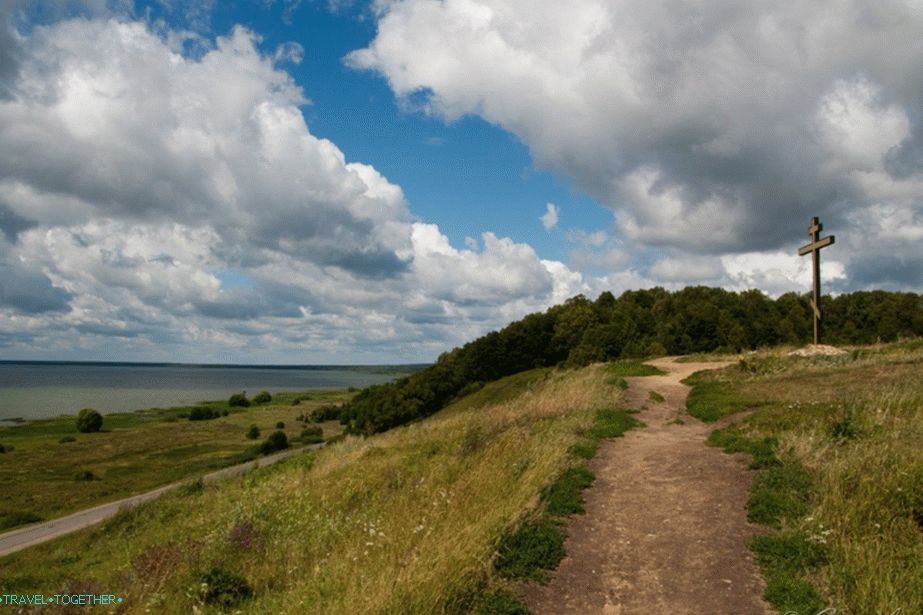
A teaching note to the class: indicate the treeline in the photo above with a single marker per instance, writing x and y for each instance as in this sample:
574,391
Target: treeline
637,324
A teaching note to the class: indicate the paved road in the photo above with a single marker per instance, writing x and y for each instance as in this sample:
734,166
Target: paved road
16,540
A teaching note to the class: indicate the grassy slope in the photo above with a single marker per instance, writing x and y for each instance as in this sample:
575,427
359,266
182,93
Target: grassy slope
138,451
404,522
838,441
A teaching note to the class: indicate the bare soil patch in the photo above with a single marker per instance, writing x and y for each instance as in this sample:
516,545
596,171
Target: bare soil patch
665,529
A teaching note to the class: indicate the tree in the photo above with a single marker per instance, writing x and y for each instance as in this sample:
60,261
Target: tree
89,421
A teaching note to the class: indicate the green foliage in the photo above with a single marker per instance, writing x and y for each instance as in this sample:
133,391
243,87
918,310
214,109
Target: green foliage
784,559
312,435
276,441
845,427
89,421
632,368
779,492
263,397
253,433
655,396
85,475
732,441
280,425
530,551
327,412
712,399
2,449
223,588
563,497
65,439
239,400
13,518
612,423
637,324
204,413
585,449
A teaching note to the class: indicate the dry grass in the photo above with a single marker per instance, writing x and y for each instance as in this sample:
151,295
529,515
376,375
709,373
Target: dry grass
856,423
403,522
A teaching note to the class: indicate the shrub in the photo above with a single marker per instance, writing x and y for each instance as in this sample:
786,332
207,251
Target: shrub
2,449
239,400
280,425
223,588
263,397
10,518
203,414
89,421
276,441
253,433
85,475
327,412
312,431
225,412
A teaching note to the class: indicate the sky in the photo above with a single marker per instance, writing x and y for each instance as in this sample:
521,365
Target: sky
339,181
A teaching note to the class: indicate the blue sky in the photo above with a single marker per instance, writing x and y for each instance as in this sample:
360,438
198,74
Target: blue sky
274,181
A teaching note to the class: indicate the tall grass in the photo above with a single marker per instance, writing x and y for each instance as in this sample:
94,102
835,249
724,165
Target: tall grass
403,522
854,423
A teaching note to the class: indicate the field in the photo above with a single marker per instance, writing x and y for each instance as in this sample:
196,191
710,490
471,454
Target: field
838,447
53,469
407,521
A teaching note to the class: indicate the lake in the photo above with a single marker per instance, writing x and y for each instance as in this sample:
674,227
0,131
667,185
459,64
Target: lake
33,390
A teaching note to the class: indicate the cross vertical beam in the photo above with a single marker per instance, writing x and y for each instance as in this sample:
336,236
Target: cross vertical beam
814,249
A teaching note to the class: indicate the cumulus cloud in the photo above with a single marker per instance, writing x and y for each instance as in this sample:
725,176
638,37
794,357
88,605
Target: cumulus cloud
550,217
707,128
181,202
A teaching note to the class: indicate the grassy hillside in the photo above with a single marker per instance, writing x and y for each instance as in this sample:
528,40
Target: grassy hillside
403,522
838,444
50,469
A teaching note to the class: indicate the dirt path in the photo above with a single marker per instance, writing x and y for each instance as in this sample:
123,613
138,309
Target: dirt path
665,529
19,539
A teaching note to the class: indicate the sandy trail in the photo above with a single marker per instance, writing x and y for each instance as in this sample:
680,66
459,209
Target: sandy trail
665,529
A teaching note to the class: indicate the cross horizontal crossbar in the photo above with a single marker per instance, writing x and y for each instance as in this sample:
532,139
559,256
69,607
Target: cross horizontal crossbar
817,313
817,245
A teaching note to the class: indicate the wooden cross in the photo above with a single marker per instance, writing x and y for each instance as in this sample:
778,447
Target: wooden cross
814,249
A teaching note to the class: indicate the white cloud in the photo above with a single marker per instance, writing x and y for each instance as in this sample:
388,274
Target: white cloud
707,128
550,217
181,204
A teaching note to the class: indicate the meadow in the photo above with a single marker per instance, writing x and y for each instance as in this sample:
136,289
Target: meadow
409,521
49,469
836,445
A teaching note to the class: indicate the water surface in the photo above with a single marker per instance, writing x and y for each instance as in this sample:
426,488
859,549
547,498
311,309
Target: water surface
33,390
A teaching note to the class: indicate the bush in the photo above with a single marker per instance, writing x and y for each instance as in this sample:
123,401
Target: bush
263,397
66,439
89,421
85,475
253,433
239,400
11,518
2,449
225,412
327,412
280,425
203,414
276,441
226,589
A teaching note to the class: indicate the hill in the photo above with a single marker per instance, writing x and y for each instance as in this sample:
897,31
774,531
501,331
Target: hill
637,324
